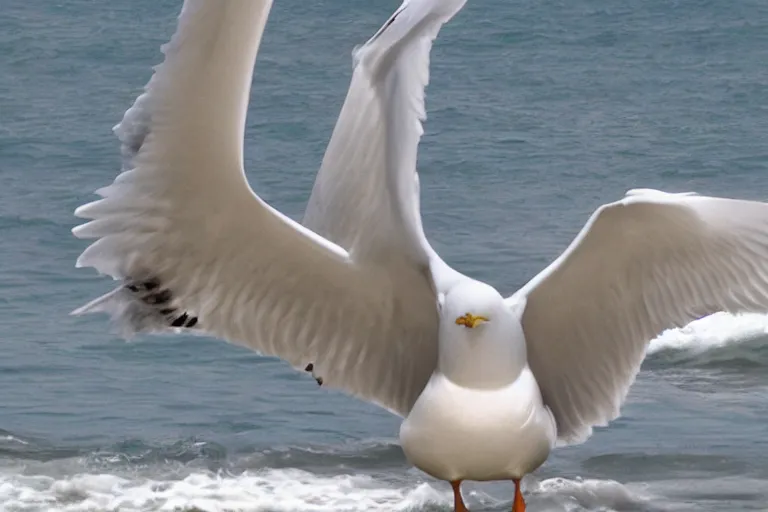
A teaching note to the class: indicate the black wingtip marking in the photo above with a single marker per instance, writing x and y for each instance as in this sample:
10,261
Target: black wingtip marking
389,22
180,321
185,321
311,368
143,286
150,292
161,297
151,284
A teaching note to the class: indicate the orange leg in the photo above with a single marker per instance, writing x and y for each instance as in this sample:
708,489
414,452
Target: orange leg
458,502
519,503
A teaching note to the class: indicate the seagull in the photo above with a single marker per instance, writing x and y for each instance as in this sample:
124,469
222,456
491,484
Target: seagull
487,385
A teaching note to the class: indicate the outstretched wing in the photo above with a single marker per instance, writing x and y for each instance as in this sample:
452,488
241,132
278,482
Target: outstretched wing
195,248
366,189
649,262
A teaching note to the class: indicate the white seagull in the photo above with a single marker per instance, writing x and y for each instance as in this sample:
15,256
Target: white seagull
487,385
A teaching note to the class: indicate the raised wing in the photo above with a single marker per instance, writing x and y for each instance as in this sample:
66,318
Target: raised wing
366,189
649,262
195,248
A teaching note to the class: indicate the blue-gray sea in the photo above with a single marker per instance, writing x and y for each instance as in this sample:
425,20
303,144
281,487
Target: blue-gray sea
539,111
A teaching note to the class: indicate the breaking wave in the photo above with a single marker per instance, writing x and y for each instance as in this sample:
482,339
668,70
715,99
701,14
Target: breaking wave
719,340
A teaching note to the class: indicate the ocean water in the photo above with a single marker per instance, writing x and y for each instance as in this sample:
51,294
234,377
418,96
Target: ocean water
538,113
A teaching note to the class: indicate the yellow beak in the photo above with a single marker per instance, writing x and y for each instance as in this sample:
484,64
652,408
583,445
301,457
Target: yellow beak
470,321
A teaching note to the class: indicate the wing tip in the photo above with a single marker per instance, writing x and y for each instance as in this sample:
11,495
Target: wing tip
411,17
652,192
141,307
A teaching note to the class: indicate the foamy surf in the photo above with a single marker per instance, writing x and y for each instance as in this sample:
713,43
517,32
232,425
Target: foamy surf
269,490
721,337
285,490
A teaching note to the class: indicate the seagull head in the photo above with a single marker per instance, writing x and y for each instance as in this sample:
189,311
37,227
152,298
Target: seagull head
481,343
471,306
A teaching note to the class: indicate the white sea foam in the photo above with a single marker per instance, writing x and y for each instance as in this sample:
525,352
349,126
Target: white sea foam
280,491
712,332
589,494
12,439
273,490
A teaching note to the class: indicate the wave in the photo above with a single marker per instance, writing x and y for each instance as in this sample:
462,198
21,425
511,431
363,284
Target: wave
719,340
362,455
198,476
193,476
287,490
270,489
